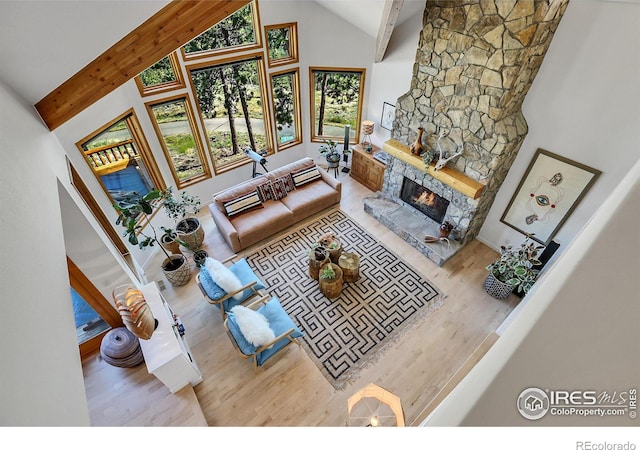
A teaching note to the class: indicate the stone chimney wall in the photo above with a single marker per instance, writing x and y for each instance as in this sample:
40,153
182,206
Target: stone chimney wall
475,63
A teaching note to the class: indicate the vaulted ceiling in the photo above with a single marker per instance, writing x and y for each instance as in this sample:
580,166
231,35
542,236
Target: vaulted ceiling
45,42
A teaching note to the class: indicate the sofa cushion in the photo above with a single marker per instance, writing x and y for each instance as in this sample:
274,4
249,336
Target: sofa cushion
262,223
310,199
243,204
239,190
278,189
295,166
305,176
265,192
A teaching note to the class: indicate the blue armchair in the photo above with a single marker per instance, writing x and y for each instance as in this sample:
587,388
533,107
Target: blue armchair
283,327
214,294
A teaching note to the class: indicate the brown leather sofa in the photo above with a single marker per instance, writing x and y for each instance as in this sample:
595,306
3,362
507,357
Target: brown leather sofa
286,196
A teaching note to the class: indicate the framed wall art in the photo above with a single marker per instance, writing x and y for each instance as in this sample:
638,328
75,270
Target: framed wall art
550,190
388,115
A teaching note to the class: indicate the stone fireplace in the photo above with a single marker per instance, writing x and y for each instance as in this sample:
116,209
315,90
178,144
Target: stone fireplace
474,65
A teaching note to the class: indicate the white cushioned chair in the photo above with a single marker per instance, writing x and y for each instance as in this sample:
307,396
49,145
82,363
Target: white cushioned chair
283,327
214,294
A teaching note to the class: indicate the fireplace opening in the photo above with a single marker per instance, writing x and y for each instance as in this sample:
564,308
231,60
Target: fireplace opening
424,200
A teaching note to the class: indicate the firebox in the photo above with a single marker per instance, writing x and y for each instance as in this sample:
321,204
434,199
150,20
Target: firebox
424,200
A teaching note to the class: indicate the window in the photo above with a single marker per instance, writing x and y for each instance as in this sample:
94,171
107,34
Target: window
165,75
336,100
282,44
173,121
236,32
231,100
285,89
121,159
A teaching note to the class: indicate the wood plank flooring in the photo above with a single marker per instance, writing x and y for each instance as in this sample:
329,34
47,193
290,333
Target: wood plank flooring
289,390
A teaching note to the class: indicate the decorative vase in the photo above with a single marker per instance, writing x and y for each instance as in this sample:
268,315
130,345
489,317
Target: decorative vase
497,288
317,258
176,270
190,232
332,287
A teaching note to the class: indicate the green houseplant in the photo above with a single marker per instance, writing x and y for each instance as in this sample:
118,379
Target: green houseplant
182,210
330,151
130,212
514,269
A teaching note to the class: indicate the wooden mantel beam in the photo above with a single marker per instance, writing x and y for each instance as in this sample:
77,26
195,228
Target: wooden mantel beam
168,29
387,24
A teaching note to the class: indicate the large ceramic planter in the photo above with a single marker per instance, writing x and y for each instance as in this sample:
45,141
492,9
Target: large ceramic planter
190,232
177,270
497,288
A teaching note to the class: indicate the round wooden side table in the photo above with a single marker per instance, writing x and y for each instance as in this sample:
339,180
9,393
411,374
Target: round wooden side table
350,265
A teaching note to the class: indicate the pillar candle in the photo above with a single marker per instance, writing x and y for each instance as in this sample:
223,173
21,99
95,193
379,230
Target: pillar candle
346,137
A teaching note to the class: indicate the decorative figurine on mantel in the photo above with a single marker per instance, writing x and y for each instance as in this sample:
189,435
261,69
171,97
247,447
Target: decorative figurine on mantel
416,147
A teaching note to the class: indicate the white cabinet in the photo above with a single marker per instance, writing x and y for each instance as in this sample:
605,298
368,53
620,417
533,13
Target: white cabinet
167,353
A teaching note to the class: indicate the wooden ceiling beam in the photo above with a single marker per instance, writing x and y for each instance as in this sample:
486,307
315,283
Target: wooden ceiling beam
387,23
168,29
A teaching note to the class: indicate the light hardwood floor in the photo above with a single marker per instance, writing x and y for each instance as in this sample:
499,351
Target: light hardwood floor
421,367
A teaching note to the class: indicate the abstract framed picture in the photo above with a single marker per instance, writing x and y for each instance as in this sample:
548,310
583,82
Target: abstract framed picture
550,190
388,115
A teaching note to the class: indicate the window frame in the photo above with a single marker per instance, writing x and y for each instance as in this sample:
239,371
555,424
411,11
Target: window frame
266,111
178,83
296,108
293,44
180,184
312,104
255,14
133,124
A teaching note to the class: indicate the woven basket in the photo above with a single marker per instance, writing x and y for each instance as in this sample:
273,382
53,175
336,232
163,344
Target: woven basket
181,275
497,288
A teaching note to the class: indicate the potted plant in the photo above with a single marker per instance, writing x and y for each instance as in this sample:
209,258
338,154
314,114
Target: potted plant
331,280
182,210
330,151
130,211
514,269
169,240
318,257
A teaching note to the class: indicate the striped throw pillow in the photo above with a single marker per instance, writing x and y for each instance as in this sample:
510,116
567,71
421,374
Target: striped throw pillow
242,204
305,176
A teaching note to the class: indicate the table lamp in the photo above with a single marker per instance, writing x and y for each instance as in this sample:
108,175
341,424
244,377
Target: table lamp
367,131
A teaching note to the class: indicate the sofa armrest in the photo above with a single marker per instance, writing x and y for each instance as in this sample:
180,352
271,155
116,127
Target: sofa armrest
331,181
225,227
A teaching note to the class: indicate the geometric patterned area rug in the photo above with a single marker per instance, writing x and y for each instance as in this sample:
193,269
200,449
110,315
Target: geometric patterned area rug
345,334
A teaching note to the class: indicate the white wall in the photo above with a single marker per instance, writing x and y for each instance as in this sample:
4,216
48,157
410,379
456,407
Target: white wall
41,382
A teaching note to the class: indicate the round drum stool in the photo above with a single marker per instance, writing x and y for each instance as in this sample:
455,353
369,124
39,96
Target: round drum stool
350,265
121,348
